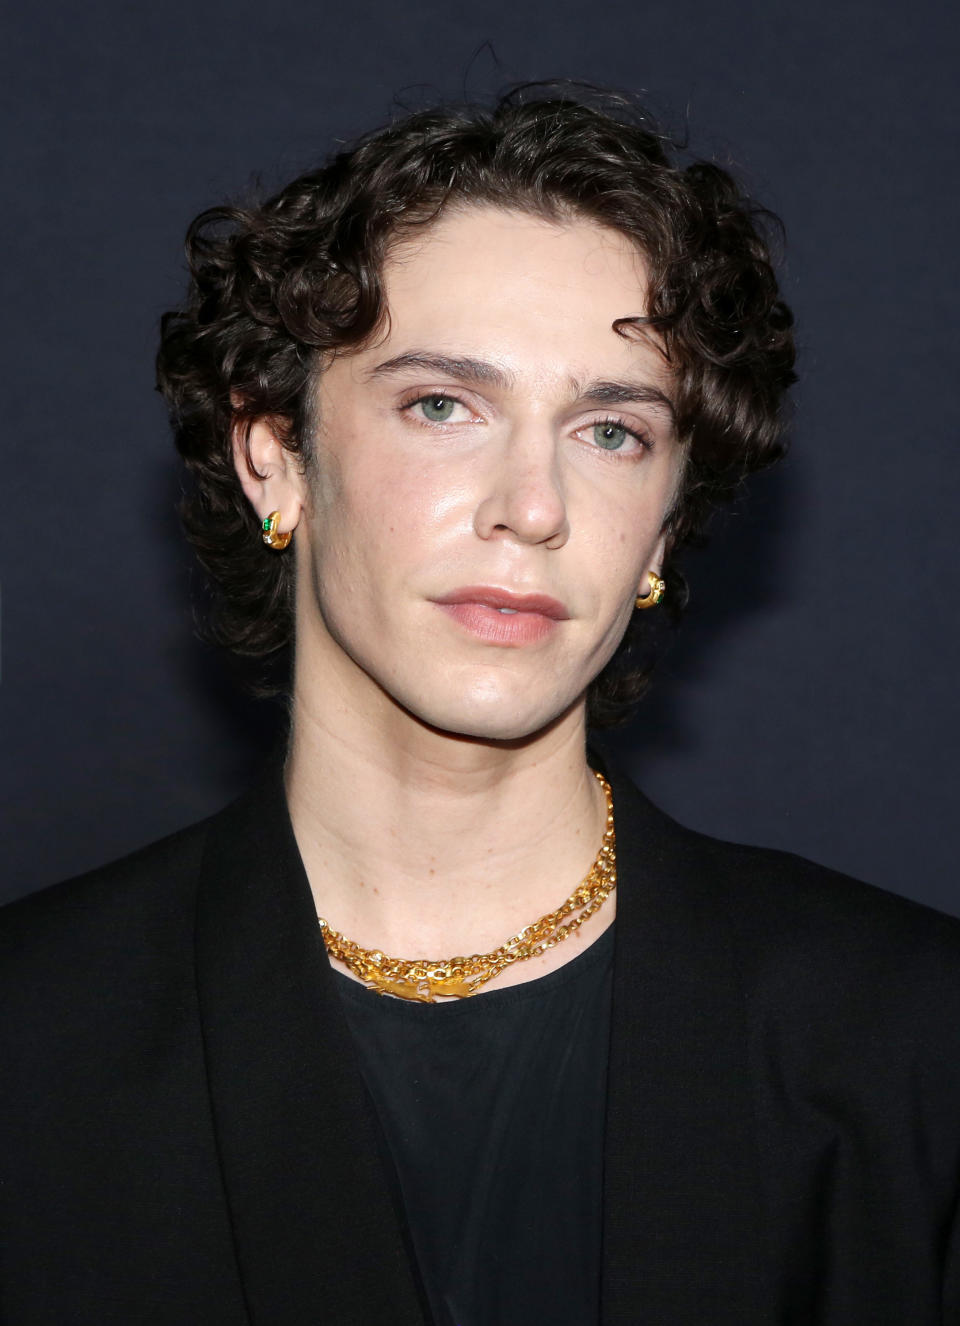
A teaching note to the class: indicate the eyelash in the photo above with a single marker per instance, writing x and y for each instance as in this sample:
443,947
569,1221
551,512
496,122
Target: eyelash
611,422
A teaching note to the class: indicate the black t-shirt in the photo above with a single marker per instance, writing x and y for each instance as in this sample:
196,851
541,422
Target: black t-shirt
492,1110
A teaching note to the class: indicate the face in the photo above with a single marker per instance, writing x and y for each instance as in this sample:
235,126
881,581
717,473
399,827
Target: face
491,483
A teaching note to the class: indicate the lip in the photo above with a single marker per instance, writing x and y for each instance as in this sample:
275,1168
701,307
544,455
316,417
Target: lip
529,618
489,597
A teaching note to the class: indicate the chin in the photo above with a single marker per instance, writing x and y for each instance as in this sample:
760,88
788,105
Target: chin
492,718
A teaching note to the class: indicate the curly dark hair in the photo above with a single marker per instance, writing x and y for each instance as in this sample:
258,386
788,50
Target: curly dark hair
278,285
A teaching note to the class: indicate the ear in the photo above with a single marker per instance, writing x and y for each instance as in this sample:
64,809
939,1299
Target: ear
654,565
269,474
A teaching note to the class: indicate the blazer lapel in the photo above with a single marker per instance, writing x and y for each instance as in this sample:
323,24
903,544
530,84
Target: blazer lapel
317,1235
681,1192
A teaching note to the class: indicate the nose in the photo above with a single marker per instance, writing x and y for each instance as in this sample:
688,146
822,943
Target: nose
523,494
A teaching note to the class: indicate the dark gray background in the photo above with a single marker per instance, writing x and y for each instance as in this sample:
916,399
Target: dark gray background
810,703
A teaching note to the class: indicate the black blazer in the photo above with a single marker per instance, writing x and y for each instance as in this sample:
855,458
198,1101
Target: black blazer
186,1140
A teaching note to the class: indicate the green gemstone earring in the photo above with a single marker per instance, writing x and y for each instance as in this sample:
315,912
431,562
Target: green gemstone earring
272,536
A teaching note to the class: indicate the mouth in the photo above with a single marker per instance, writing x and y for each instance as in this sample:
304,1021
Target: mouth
506,602
499,617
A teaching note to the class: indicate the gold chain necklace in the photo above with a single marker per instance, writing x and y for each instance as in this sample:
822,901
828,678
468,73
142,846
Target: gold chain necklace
423,979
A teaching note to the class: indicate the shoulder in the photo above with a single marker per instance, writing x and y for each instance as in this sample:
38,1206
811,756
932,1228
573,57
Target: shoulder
851,1002
831,948
786,905
142,882
805,937
98,978
778,889
76,951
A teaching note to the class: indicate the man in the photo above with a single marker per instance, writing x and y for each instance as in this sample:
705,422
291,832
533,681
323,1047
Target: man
438,1024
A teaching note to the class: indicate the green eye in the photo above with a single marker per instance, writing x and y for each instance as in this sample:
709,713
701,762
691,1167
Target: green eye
610,436
437,409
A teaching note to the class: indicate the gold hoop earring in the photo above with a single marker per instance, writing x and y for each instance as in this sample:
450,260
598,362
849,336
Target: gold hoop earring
658,588
272,536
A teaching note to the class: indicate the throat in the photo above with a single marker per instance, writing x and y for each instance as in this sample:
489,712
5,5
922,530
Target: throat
450,850
425,979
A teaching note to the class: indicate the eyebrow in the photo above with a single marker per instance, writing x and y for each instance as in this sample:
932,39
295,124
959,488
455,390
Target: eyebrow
465,369
628,393
461,367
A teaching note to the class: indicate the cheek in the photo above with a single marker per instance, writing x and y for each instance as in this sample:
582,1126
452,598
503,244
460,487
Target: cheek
372,522
399,499
621,547
350,491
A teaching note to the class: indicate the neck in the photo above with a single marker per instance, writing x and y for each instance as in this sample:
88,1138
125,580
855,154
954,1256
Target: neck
420,843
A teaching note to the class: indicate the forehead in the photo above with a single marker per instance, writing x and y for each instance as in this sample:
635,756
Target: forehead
537,297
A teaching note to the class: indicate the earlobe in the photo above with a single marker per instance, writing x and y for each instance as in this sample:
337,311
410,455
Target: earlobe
652,587
654,565
268,474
